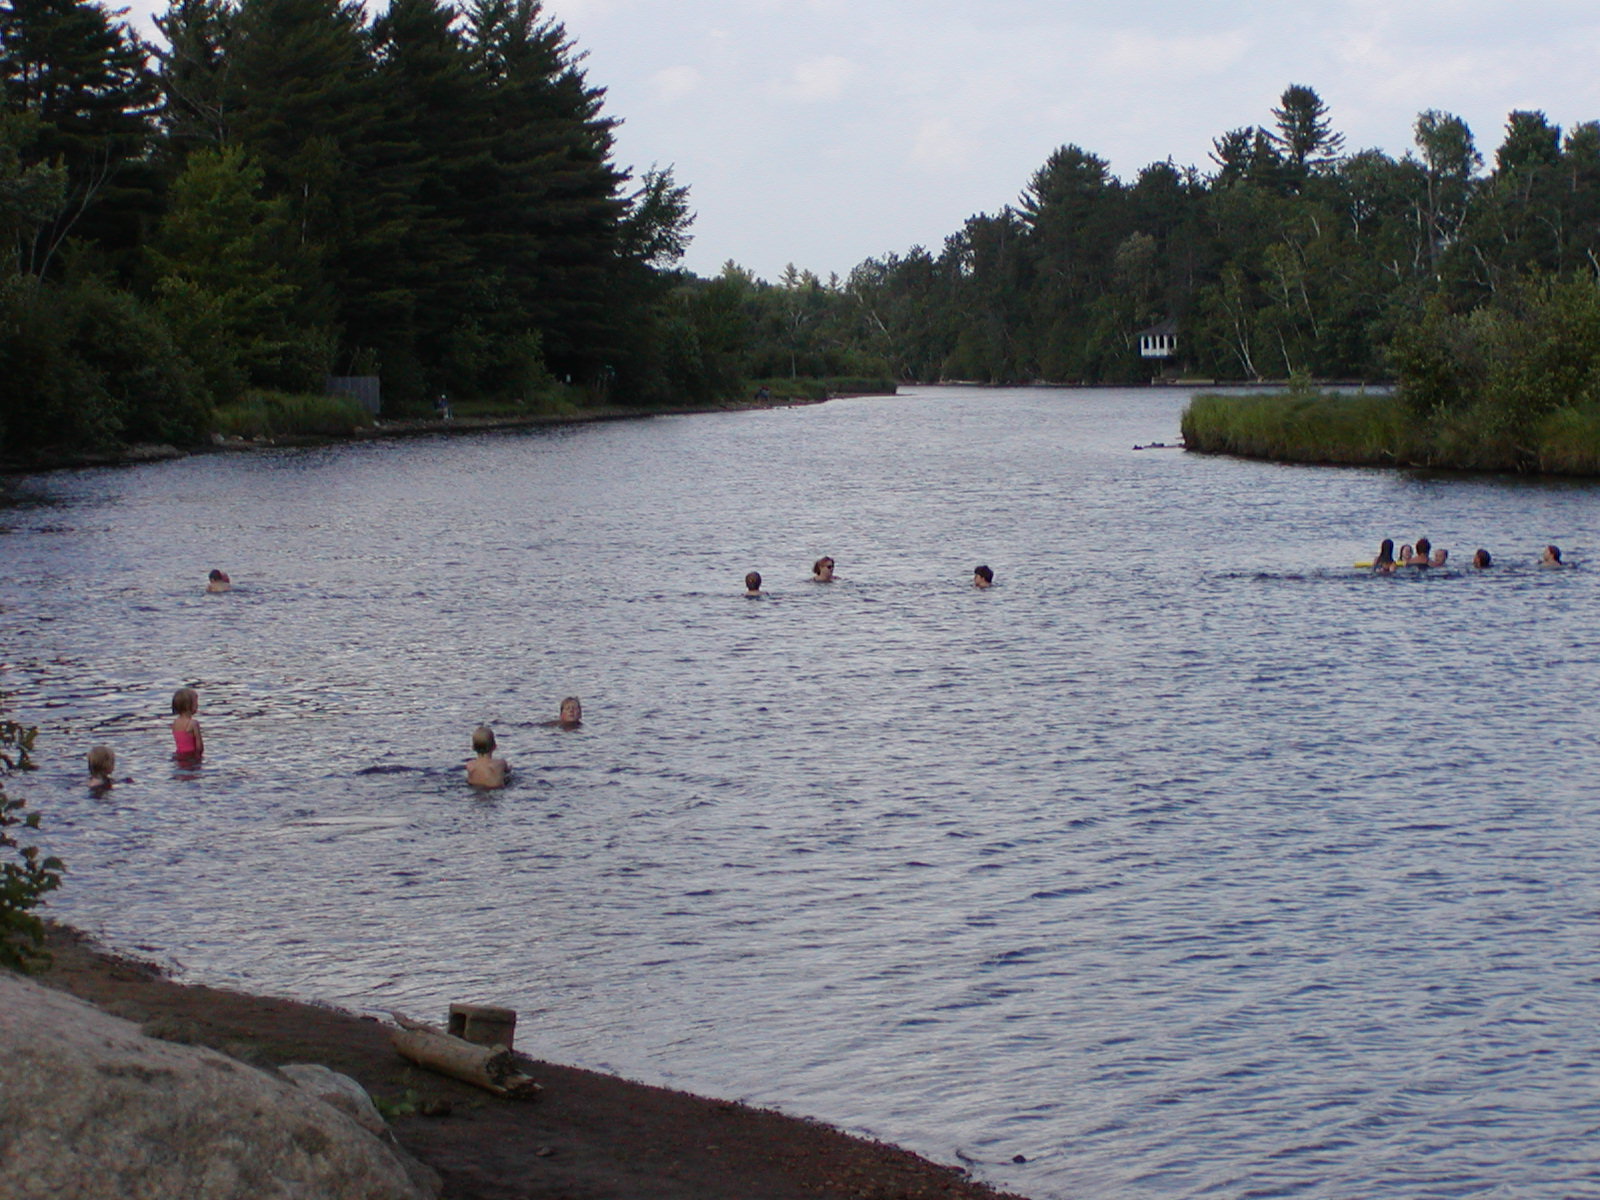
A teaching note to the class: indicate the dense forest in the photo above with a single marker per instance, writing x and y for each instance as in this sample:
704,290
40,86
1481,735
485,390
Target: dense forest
1287,257
284,190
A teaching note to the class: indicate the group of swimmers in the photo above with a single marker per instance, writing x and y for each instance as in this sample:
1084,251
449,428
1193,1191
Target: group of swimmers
822,572
1424,555
484,770
188,744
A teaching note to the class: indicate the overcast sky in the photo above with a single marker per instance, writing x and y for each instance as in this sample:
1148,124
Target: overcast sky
823,132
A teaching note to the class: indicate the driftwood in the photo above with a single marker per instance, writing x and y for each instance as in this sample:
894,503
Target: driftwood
484,1024
493,1068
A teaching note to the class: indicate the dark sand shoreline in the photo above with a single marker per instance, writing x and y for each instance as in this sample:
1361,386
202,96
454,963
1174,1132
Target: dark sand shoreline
383,430
587,1137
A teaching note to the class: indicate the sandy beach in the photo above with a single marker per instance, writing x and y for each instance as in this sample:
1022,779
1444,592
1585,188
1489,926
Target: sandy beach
587,1137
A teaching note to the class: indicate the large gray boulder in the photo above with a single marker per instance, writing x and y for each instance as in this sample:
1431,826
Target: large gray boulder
90,1108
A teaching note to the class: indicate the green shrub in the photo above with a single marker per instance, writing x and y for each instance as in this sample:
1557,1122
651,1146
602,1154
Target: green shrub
1568,441
1300,425
25,876
282,414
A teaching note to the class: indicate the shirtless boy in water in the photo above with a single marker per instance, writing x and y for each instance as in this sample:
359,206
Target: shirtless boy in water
486,771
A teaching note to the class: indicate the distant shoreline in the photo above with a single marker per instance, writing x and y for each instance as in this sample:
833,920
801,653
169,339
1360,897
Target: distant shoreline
382,430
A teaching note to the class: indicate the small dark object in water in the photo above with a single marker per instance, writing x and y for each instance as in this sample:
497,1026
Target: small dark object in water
1019,1158
1158,446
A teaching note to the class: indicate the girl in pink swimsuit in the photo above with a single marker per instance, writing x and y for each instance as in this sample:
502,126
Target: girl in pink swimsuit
185,729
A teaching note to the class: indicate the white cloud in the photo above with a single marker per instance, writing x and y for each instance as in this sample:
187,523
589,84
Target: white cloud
940,146
1172,57
675,83
817,80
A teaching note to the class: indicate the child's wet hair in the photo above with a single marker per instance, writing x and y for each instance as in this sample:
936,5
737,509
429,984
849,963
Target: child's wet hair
483,739
185,700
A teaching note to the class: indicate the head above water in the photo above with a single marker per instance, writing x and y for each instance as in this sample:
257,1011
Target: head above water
185,700
571,711
1423,546
982,576
483,740
1481,558
1552,554
822,569
752,581
102,760
1386,551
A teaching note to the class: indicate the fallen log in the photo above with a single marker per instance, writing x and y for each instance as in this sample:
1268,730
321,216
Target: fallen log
493,1068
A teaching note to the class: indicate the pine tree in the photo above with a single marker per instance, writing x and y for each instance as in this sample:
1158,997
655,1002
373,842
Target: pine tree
86,78
547,227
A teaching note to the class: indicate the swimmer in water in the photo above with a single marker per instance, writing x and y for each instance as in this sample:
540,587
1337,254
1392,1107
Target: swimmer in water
188,745
1551,557
1438,557
218,581
822,570
102,761
1419,556
752,585
982,577
486,771
1481,559
571,713
1384,564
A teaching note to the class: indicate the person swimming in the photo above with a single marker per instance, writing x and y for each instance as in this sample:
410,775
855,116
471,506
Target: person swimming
486,771
218,581
1384,564
1419,557
1551,557
752,584
102,761
822,570
188,745
982,577
1481,559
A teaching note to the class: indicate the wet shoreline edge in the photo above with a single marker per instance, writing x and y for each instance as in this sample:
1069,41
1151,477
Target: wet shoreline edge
133,455
588,1133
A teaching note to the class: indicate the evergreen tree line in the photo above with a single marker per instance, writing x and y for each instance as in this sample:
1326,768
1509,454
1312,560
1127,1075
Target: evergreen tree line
1287,257
288,189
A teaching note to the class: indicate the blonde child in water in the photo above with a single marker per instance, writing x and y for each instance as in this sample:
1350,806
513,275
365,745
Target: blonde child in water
102,761
486,771
185,729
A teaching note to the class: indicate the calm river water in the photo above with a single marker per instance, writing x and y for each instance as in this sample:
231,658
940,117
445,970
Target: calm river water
1188,861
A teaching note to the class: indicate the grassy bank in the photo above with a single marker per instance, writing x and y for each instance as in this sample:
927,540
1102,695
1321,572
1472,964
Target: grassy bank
282,414
1310,426
820,389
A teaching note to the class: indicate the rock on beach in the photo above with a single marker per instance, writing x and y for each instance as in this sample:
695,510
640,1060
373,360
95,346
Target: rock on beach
90,1107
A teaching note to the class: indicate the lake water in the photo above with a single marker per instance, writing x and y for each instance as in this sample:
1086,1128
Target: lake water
1186,861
